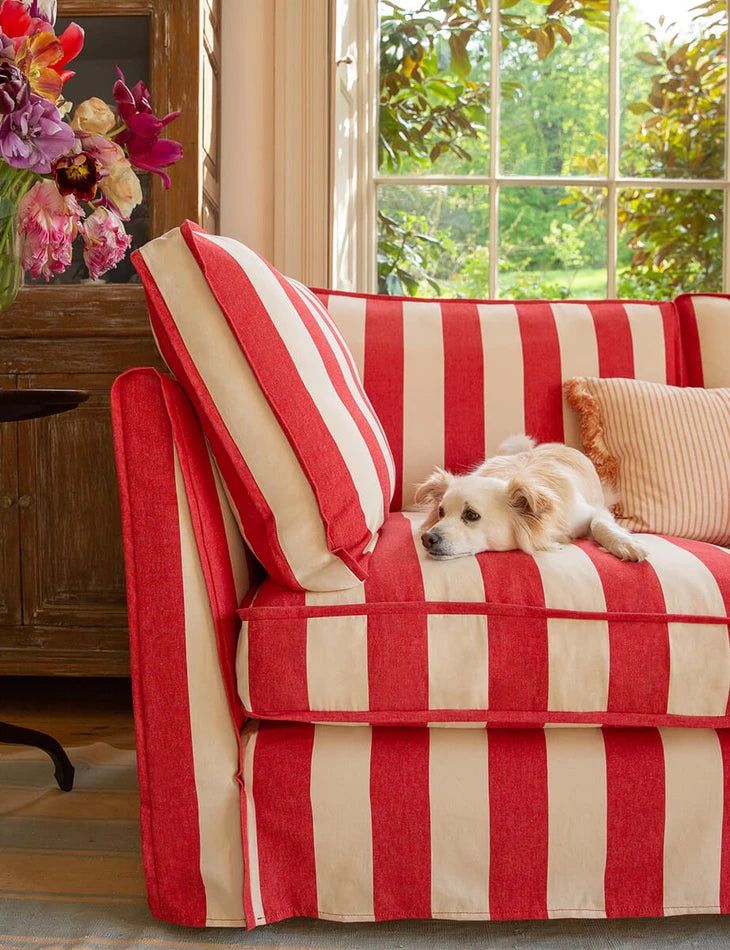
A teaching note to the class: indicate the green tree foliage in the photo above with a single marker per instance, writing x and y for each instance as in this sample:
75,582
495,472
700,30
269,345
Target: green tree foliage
434,102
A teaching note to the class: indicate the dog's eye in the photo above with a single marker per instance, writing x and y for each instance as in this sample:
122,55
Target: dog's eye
441,512
471,515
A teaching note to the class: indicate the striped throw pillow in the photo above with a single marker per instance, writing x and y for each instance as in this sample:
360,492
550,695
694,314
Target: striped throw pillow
301,451
666,450
451,379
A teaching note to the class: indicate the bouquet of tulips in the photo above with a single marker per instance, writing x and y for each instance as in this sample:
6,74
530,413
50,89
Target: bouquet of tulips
66,173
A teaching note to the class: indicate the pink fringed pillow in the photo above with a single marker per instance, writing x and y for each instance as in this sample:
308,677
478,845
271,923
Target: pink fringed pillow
665,449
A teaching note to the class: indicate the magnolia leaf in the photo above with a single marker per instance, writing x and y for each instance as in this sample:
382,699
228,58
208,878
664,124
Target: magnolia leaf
648,58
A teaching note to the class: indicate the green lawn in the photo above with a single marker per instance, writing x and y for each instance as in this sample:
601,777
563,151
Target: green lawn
586,282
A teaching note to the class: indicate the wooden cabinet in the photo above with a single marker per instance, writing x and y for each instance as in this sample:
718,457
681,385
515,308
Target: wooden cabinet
62,601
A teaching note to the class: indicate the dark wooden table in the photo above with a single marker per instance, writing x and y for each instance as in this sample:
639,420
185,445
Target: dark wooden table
15,406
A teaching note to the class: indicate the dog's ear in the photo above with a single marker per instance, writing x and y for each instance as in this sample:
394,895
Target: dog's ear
433,489
534,503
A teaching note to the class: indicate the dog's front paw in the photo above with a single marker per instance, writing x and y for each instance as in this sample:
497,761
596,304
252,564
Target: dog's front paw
629,550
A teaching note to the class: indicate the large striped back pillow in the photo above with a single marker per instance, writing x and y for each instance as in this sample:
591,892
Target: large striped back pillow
451,379
302,454
705,323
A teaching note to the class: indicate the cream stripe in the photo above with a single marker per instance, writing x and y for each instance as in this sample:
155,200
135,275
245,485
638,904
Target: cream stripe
236,545
576,768
578,650
459,791
458,656
242,677
337,655
231,384
578,355
249,735
298,341
423,392
713,326
647,337
693,820
348,314
215,745
504,392
687,584
340,794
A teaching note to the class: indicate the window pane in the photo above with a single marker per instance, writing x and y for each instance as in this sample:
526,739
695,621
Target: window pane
554,91
432,240
669,242
552,242
110,41
434,87
673,72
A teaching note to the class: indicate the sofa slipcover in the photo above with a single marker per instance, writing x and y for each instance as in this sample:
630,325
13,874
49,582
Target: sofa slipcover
451,379
573,636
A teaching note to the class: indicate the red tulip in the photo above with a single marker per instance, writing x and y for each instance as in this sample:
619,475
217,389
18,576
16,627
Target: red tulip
72,42
141,137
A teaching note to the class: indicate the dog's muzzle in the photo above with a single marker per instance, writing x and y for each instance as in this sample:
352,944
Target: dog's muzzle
431,541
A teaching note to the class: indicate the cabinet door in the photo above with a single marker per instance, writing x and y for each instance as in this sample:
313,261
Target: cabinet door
71,552
10,611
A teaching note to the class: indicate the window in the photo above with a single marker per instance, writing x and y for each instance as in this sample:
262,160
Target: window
541,149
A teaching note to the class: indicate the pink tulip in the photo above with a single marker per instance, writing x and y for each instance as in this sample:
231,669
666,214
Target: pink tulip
105,241
48,223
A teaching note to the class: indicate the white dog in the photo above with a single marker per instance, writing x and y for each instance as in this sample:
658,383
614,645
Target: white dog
529,497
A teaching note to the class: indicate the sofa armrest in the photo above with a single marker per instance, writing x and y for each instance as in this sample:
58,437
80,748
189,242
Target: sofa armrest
187,571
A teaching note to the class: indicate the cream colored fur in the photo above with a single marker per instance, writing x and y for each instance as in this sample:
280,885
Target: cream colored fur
528,497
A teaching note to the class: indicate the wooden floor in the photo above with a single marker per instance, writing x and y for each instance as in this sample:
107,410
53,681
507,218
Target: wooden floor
74,711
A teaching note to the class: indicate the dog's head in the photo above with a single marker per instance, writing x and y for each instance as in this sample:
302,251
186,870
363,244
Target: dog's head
468,514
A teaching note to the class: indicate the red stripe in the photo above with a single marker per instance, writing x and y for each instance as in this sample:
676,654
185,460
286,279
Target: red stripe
639,651
518,824
397,659
723,736
273,648
542,371
691,345
634,880
155,597
613,339
675,362
253,510
510,577
293,404
399,796
210,535
383,377
463,387
284,826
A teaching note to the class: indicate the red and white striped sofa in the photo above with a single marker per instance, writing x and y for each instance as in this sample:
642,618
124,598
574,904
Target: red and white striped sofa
497,737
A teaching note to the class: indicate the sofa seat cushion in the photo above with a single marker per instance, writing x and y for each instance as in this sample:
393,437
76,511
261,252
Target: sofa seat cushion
572,636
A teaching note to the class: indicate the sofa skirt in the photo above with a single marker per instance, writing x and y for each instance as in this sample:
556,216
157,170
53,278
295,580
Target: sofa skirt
353,823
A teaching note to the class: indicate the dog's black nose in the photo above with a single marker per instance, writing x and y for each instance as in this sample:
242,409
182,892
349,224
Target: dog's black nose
430,539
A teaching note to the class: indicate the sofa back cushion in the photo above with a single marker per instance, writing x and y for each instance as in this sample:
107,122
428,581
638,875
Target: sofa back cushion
303,456
705,323
450,379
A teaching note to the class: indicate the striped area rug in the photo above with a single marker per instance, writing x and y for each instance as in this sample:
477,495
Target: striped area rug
71,879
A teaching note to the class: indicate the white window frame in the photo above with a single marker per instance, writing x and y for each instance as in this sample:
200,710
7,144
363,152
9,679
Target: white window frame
356,178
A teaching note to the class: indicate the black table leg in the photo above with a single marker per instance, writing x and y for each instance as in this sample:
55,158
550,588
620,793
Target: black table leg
17,735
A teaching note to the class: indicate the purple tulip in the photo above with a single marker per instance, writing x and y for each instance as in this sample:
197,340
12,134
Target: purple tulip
141,137
34,136
14,88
